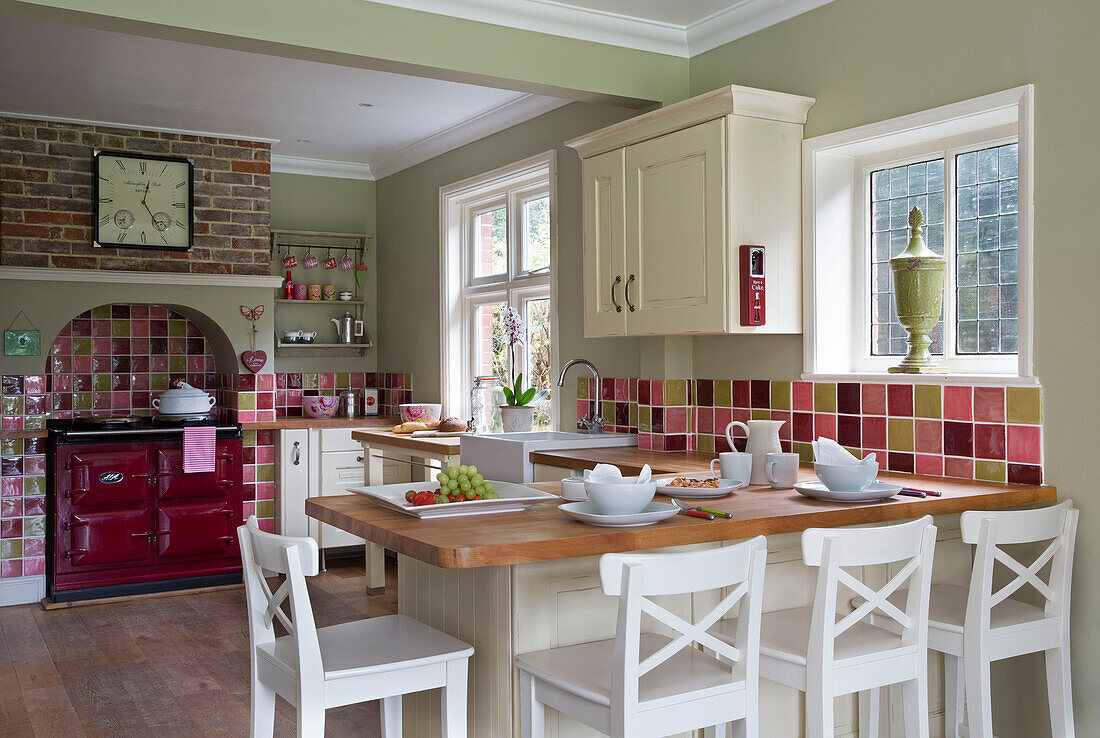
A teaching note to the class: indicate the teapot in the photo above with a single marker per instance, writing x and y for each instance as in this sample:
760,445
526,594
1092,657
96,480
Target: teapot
763,439
347,328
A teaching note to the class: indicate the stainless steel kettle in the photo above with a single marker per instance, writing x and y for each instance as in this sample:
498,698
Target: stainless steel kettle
347,328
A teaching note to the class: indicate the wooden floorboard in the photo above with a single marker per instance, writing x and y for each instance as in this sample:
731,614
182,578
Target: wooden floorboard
166,666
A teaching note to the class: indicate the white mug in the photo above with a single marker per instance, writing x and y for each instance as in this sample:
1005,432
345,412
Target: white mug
781,470
732,465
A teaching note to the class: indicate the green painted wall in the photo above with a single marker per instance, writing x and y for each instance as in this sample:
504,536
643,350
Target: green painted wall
408,233
868,60
364,34
306,203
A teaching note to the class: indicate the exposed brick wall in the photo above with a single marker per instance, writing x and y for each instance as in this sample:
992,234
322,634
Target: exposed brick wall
46,211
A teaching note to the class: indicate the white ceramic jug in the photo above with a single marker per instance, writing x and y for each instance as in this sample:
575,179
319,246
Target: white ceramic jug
763,440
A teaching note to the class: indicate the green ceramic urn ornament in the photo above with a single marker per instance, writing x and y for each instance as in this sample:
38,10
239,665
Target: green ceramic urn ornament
918,291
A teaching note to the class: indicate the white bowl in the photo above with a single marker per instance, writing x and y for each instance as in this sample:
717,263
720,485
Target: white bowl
572,489
620,498
847,477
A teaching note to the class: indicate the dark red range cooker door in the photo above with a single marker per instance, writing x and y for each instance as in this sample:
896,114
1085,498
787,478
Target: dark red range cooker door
174,484
106,476
118,536
200,529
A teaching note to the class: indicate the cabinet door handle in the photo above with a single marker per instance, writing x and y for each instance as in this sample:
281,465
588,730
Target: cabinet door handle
627,292
618,279
359,459
297,455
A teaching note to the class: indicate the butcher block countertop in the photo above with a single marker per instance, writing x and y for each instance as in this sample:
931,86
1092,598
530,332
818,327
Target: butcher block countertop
446,445
542,533
629,459
366,421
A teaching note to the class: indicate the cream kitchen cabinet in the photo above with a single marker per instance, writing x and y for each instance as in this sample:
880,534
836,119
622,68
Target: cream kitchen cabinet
669,197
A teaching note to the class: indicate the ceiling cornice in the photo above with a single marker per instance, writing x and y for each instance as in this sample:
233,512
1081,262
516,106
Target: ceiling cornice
281,164
585,24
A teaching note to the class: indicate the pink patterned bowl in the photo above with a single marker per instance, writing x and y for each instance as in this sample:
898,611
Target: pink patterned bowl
320,407
420,412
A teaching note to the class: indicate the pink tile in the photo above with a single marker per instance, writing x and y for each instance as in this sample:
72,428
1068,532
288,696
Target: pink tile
989,404
705,420
34,567
958,467
899,399
266,382
874,432
622,389
785,430
267,525
802,396
248,473
989,441
34,466
645,441
34,384
676,420
723,416
249,509
11,568
246,416
34,547
657,393
928,435
930,465
873,399
327,380
265,491
633,390
11,487
825,425
1025,444
265,454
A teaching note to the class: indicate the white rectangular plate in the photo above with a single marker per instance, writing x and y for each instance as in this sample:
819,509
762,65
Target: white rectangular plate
513,497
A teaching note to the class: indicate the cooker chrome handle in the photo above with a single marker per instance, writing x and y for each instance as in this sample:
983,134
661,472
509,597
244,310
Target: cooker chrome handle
618,307
296,458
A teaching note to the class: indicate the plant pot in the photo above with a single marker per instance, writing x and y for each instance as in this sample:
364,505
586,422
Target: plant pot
517,419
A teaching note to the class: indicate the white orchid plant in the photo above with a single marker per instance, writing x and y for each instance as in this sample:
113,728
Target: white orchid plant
516,395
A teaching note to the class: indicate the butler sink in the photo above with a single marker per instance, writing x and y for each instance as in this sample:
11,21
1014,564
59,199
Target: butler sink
505,457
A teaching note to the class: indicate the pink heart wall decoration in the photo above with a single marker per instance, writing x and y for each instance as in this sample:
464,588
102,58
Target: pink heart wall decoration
254,360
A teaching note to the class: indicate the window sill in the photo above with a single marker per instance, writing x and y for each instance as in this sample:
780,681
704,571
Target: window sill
986,380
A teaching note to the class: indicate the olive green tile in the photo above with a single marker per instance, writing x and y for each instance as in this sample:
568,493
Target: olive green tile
408,380
645,424
632,414
825,397
246,400
781,395
101,382
82,347
899,433
607,409
177,364
706,443
34,422
309,381
11,548
343,380
158,382
83,400
723,393
989,471
804,450
101,311
177,328
120,328
248,438
265,472
11,446
1024,405
265,509
927,401
676,392
34,527
327,392
761,413
12,404
34,486
582,388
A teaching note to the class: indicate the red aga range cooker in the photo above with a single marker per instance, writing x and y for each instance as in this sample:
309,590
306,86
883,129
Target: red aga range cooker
125,519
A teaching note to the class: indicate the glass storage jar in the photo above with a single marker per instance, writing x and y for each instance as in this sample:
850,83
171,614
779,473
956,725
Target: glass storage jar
485,400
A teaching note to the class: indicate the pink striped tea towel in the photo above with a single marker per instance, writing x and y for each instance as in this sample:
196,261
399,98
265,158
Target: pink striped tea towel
198,448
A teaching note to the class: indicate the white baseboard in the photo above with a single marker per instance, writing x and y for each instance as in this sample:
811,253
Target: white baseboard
22,590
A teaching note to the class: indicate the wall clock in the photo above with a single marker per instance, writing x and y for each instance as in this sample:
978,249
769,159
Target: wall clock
143,201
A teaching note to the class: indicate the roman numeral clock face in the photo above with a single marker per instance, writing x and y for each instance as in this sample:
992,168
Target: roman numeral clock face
142,202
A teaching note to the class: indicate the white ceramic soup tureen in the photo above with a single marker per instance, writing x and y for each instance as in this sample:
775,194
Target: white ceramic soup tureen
186,400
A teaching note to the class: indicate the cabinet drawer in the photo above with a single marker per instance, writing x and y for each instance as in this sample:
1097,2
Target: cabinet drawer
340,470
339,439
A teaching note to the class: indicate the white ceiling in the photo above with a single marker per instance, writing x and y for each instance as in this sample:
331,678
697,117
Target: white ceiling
678,27
57,71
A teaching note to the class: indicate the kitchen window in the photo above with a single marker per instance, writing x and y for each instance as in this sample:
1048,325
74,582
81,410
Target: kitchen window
497,252
967,166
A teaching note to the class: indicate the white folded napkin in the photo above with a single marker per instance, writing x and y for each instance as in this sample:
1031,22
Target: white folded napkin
609,473
828,451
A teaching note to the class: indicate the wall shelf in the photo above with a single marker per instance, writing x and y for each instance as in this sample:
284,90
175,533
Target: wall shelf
326,303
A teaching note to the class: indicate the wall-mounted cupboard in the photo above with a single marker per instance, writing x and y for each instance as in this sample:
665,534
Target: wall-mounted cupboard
669,197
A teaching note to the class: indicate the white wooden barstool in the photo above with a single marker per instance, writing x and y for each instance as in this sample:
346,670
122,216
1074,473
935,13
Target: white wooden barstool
814,650
981,625
318,668
644,684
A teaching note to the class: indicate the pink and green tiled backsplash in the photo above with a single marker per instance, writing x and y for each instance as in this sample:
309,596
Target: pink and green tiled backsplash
971,432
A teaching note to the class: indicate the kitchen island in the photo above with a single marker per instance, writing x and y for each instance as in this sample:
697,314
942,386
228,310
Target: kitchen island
517,582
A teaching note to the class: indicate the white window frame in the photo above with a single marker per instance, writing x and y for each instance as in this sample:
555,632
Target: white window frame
837,235
462,293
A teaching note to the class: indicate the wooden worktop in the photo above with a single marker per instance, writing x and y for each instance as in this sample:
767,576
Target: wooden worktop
542,533
365,421
629,459
446,446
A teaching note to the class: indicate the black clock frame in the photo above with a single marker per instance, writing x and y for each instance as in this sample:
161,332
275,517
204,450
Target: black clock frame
97,243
